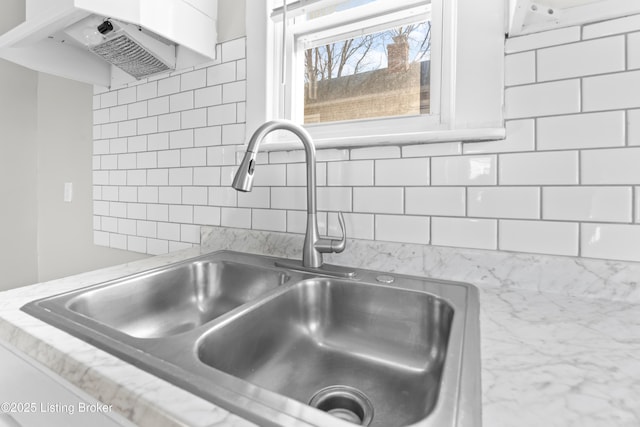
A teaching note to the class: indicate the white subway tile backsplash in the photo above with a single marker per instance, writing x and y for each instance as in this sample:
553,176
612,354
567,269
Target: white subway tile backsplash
168,231
504,202
234,134
128,128
159,141
384,152
464,170
633,51
551,168
118,114
181,176
156,212
109,99
297,174
520,137
137,110
127,161
206,176
193,157
137,211
358,226
118,241
128,194
169,85
542,99
542,39
587,203
582,131
520,68
334,198
127,95
378,200
269,219
137,177
157,247
136,244
193,118
611,91
193,80
181,213
118,145
148,194
169,158
222,73
169,122
206,215
194,195
291,198
259,197
611,241
235,217
404,172
205,137
181,139
611,166
190,233
234,92
270,175
147,228
147,91
157,106
613,26
166,150
208,96
402,228
557,238
352,173
233,50
297,222
464,232
222,114
170,195
432,150
437,201
181,101
577,59
157,177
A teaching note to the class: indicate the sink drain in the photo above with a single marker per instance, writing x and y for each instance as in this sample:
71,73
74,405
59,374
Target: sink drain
344,402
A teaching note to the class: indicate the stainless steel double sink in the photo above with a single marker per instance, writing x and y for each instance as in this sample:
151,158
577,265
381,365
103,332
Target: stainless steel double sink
285,347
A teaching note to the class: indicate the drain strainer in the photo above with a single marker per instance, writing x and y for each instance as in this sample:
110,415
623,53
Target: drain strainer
344,402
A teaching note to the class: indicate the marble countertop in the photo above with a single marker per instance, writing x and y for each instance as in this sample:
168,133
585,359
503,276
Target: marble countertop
548,358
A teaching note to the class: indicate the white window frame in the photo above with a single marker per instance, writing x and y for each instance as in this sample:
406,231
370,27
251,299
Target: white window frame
468,40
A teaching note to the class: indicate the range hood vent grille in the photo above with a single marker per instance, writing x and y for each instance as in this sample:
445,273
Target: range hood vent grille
126,54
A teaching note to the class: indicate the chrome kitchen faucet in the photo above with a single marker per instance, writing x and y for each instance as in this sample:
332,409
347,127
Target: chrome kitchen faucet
314,246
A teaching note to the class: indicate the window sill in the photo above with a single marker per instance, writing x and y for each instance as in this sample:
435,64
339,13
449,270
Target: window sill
462,135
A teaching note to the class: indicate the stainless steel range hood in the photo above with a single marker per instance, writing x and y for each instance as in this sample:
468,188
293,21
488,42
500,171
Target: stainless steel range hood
139,38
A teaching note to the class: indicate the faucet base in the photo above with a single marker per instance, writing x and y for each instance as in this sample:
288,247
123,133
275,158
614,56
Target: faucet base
324,269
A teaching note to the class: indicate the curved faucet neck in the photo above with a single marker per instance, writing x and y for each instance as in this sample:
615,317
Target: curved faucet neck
309,149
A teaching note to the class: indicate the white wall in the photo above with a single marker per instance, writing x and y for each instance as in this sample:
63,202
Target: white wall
18,119
65,236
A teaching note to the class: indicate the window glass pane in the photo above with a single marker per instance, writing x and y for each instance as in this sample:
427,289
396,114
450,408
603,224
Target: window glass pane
383,74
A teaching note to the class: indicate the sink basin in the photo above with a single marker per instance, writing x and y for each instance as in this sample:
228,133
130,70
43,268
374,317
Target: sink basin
288,347
389,344
176,299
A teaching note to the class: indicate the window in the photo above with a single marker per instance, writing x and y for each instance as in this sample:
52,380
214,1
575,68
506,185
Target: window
364,72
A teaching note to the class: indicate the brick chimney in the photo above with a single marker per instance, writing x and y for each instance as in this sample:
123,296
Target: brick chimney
398,54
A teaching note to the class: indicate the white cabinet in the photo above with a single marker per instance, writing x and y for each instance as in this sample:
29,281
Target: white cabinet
33,396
